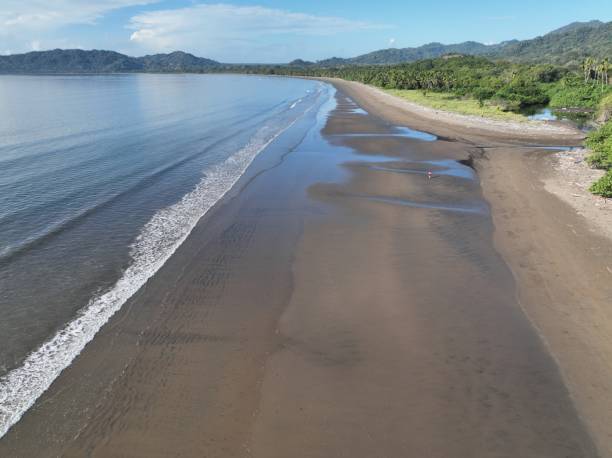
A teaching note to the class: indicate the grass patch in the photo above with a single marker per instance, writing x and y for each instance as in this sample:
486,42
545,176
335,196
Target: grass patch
463,105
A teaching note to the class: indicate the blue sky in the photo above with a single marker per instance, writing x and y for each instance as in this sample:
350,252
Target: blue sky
277,31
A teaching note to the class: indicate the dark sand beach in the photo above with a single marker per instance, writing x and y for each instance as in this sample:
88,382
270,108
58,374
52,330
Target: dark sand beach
343,302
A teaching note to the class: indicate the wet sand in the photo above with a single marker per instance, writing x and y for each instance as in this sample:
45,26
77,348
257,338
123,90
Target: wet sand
340,303
560,259
563,267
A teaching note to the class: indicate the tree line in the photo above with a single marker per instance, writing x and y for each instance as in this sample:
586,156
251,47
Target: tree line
512,86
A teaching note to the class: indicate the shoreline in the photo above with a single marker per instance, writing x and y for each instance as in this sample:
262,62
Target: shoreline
22,385
308,306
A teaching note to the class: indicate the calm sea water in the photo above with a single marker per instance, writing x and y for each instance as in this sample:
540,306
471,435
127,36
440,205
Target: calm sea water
101,179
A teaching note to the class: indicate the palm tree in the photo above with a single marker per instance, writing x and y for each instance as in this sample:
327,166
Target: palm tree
586,69
605,67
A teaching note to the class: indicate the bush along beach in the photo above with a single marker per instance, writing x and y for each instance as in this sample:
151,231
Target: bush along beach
600,144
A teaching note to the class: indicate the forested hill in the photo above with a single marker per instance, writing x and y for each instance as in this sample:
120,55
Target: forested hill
401,55
79,61
568,45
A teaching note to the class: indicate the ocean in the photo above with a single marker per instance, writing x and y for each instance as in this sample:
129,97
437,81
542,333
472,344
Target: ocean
101,179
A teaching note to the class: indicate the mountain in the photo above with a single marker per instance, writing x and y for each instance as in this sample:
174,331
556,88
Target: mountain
567,45
300,63
577,25
69,61
396,56
177,61
95,61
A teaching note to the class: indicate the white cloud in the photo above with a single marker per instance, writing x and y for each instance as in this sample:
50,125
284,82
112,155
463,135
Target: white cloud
221,31
26,24
236,32
391,41
18,15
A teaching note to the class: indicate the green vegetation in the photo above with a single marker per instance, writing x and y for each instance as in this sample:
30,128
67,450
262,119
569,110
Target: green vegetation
450,102
587,90
600,144
573,92
509,86
603,186
458,81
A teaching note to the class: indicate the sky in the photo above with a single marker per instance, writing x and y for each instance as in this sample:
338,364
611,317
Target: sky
270,31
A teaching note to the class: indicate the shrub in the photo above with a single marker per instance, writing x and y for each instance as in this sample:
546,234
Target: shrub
523,93
603,186
599,140
600,143
600,160
548,73
572,92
